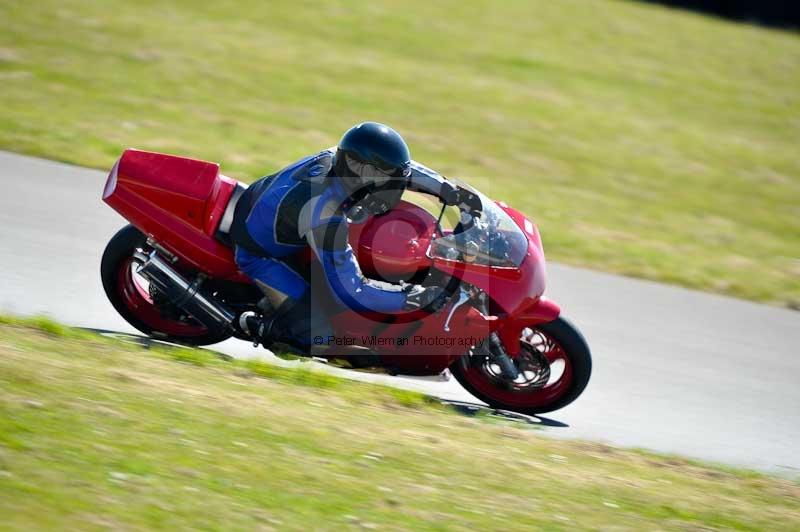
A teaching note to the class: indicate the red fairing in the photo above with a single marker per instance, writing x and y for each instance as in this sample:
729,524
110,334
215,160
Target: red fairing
517,291
420,346
511,288
532,311
394,247
179,202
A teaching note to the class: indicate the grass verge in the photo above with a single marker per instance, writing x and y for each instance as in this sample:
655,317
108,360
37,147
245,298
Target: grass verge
98,434
644,141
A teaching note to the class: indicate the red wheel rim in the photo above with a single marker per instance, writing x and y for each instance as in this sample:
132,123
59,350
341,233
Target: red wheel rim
136,297
487,384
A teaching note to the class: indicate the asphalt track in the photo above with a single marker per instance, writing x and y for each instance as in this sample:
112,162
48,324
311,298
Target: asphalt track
675,371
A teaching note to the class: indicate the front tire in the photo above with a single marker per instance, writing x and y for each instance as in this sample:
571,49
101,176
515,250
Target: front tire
564,348
131,297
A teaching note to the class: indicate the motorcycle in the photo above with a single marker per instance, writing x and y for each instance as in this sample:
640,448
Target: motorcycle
171,274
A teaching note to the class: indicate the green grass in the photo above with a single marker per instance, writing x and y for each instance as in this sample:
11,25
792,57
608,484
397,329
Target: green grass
98,434
643,140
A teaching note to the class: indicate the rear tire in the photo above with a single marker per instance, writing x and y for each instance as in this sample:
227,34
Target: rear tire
570,345
135,307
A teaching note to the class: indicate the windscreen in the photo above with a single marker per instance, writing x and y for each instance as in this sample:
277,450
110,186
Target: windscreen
494,239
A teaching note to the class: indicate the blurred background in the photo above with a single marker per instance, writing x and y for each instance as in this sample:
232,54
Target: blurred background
644,140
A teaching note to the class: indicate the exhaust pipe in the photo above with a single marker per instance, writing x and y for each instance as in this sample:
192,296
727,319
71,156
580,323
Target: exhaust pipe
185,295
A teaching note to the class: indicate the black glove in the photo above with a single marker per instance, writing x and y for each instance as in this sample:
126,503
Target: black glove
449,193
430,298
462,198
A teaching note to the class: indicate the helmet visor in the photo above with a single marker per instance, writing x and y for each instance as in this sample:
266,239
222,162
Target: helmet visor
371,174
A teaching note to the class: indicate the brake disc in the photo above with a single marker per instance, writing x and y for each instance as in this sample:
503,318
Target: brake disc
533,366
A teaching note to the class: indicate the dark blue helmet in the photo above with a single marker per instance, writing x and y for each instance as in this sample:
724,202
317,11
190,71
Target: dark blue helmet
373,160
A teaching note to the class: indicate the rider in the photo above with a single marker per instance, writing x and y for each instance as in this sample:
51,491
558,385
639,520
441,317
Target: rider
308,204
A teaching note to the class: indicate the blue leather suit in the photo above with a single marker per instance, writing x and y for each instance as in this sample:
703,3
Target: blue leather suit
303,205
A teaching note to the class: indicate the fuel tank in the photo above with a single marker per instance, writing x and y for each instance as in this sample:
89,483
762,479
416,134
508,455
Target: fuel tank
393,247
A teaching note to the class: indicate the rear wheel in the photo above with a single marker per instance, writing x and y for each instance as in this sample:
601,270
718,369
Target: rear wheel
132,296
554,363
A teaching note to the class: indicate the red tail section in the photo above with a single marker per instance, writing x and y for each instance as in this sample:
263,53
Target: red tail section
176,200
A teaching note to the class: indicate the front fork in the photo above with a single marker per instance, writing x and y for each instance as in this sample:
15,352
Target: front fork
493,347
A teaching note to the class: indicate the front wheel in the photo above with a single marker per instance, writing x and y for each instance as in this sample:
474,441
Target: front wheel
554,363
137,302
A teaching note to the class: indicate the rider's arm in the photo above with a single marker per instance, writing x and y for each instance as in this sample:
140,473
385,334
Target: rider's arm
425,180
328,237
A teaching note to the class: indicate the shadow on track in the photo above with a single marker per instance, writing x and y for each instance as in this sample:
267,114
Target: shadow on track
474,409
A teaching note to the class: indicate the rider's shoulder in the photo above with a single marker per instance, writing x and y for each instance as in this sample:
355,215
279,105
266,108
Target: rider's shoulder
314,168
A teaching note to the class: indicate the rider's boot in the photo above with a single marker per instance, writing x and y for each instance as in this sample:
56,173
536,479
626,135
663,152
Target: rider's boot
291,323
253,323
255,326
